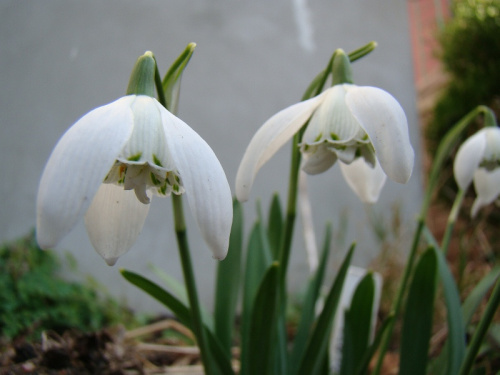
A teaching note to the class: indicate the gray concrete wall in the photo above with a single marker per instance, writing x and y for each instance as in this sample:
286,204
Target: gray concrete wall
61,58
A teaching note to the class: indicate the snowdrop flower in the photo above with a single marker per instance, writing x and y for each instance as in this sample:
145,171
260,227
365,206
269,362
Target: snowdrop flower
478,161
111,162
363,127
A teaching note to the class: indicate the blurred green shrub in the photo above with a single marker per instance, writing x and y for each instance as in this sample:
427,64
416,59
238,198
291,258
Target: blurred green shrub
34,298
470,53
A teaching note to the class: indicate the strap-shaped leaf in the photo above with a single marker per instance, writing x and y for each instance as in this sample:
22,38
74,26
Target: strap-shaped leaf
275,226
257,262
358,325
263,323
181,311
453,352
228,282
417,323
317,345
309,304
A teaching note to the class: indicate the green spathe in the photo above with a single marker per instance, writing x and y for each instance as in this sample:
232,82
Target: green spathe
142,79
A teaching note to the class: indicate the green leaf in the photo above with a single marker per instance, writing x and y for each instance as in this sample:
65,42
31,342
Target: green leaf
178,289
172,81
275,226
309,305
228,282
182,312
358,325
455,345
263,323
317,345
175,286
417,322
257,263
365,361
475,297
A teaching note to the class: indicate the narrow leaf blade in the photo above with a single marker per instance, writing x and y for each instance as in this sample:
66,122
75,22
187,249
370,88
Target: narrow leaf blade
318,341
228,282
417,323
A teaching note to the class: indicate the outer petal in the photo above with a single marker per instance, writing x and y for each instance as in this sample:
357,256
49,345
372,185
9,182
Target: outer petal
269,139
487,185
205,182
365,181
468,158
318,161
383,119
114,220
77,166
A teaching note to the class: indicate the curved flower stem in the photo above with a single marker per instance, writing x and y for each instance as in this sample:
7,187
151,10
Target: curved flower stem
187,269
481,330
452,218
442,154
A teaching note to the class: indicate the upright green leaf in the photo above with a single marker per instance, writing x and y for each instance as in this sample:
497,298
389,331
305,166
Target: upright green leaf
228,282
317,345
365,361
257,262
417,322
309,305
263,323
358,326
275,226
477,294
455,345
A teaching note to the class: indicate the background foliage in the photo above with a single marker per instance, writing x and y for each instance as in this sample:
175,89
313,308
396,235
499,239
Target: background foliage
470,54
33,297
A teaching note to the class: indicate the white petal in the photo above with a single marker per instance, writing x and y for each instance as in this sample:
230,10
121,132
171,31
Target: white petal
487,185
114,220
468,158
383,119
318,161
205,182
77,166
269,139
365,181
333,117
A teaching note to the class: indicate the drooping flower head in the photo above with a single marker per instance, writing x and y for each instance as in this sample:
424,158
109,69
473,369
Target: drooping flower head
364,128
478,161
111,162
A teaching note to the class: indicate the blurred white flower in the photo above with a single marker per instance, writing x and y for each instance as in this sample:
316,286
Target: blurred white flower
108,165
478,160
363,127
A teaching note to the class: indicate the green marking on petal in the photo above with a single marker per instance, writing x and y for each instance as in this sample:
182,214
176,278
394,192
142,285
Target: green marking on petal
154,180
163,189
358,153
135,157
334,136
365,137
157,161
176,188
318,137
